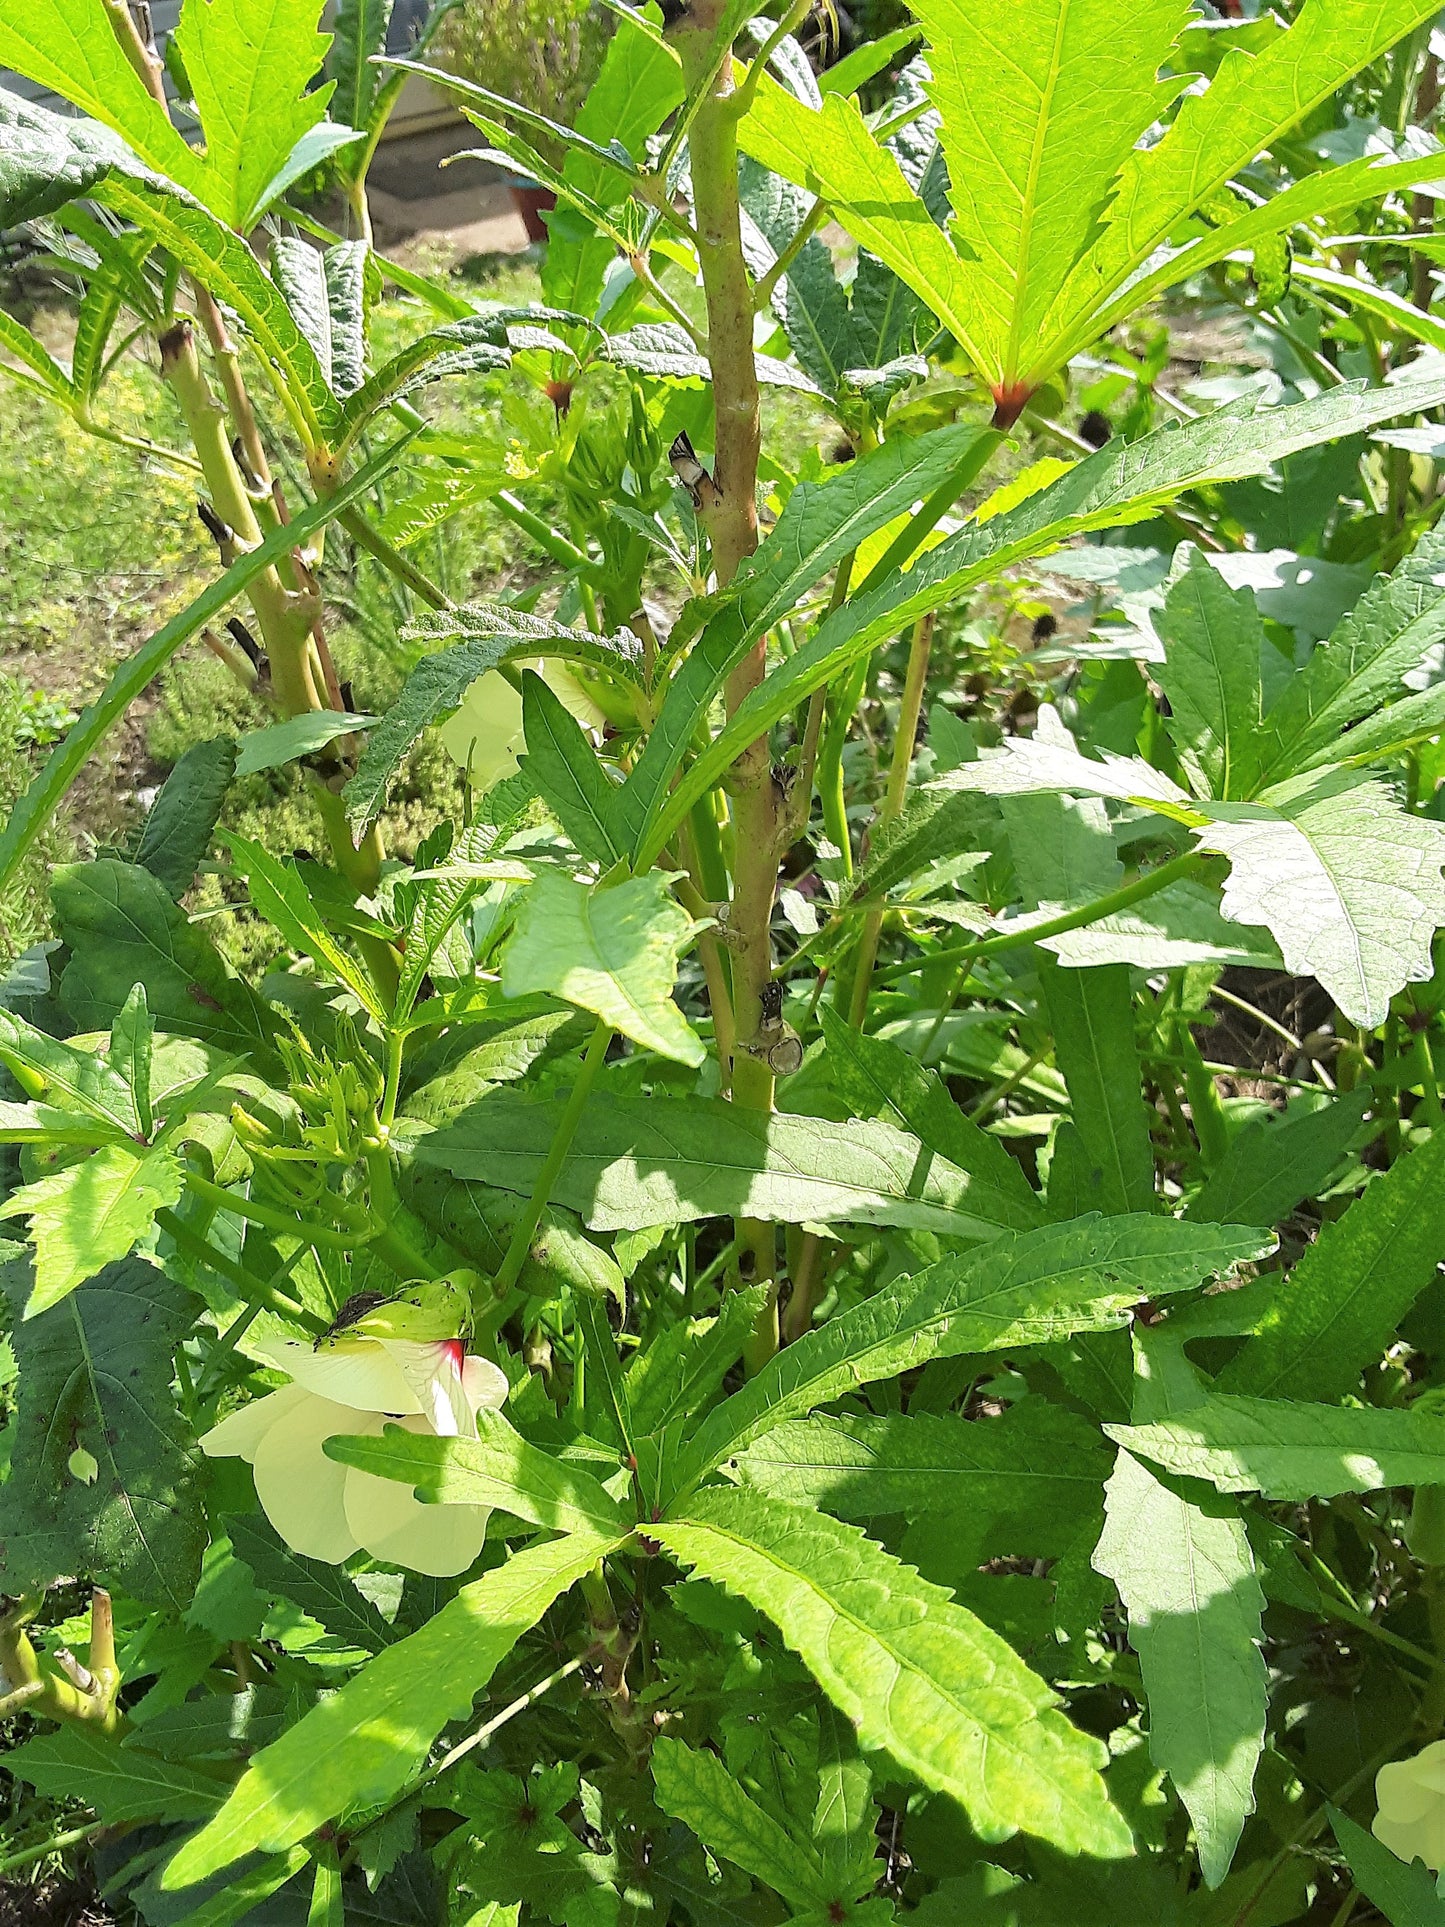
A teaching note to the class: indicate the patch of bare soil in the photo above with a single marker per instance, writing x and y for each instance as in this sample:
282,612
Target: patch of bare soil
52,1903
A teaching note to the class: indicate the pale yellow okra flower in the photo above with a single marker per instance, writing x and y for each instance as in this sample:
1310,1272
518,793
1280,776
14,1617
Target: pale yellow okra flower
1411,1799
357,1385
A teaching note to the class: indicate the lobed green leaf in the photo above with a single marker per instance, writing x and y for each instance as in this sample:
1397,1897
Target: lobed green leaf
918,1675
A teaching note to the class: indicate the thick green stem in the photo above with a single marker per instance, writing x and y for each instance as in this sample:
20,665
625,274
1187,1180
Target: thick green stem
287,612
228,360
57,1687
807,1283
557,1151
1143,885
285,616
551,540
255,1291
57,1843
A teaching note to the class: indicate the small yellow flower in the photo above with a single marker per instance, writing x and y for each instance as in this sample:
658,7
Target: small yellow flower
355,1386
1411,1799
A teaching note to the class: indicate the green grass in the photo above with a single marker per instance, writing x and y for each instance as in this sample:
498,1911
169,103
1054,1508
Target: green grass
100,547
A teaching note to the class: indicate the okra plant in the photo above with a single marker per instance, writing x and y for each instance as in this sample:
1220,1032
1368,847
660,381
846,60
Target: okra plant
825,1305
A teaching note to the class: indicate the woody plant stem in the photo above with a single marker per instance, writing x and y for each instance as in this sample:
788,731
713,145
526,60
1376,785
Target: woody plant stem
730,516
285,600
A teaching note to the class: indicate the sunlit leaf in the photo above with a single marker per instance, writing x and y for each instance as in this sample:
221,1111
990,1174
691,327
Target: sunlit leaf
1186,1575
918,1675
611,949
361,1746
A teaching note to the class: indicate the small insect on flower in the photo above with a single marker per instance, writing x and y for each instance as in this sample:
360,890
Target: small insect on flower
352,1312
385,1360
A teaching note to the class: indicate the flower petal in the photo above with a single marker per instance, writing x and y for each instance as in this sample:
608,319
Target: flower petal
1428,1767
392,1524
1424,1840
1392,1833
485,735
484,1384
431,1371
302,1492
1400,1793
241,1432
574,696
358,1372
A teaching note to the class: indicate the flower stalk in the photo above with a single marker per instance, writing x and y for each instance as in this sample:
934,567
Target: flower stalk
909,712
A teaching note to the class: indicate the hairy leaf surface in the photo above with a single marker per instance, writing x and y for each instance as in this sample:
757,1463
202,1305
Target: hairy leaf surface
1340,1306
1041,105
1037,1458
1186,1575
695,1787
249,62
498,1468
482,636
612,950
85,1214
917,1674
1346,882
96,1377
636,1162
878,1079
1113,486
122,1783
1211,677
70,48
1019,1290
